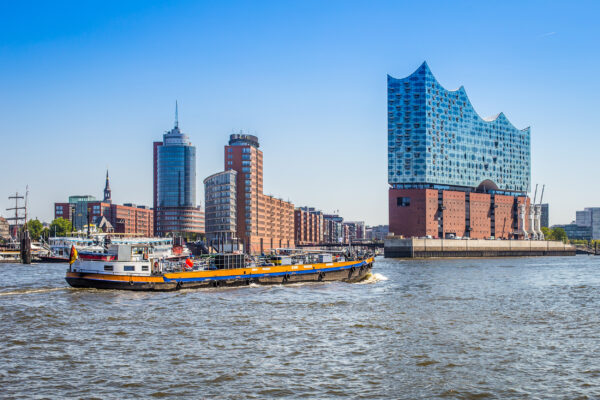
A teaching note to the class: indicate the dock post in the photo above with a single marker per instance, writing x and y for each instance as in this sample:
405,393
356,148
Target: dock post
25,247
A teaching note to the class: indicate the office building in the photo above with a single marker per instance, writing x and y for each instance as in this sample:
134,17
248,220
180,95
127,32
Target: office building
377,233
589,217
356,230
175,207
263,222
576,232
545,217
220,208
334,230
452,173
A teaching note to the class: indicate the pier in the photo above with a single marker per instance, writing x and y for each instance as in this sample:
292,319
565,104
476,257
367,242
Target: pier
427,248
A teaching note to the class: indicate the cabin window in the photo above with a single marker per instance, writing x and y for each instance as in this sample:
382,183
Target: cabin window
129,268
108,267
145,268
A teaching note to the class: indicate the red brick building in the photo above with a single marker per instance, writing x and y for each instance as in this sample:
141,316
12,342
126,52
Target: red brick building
448,213
127,218
263,222
308,226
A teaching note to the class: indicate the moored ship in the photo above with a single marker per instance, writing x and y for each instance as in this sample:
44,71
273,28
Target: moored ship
59,248
140,267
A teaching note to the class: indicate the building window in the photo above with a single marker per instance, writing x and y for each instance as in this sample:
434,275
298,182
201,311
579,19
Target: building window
403,201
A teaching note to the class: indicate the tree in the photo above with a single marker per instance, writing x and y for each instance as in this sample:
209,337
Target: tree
35,228
60,227
559,234
547,232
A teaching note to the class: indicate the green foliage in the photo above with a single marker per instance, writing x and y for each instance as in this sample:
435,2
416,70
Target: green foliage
60,227
582,242
558,234
547,232
35,228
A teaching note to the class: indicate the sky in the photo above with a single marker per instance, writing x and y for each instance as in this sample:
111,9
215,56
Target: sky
86,86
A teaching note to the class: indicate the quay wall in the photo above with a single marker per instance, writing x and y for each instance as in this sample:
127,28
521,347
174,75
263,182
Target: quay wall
425,248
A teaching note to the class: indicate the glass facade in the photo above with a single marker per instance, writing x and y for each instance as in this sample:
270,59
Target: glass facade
436,139
175,208
176,171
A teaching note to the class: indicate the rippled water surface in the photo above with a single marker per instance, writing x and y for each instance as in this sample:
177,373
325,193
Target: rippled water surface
469,328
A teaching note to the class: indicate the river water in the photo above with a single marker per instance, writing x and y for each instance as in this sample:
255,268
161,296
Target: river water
467,328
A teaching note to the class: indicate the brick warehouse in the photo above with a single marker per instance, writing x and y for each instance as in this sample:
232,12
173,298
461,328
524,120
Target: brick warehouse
452,173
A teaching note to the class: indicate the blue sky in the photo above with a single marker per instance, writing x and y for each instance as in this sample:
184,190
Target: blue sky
89,85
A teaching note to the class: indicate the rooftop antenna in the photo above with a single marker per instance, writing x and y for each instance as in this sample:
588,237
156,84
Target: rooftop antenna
176,116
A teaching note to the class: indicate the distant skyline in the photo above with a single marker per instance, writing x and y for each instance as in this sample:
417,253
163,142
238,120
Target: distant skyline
89,86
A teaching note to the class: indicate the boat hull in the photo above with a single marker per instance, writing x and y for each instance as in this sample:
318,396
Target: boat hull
51,259
352,271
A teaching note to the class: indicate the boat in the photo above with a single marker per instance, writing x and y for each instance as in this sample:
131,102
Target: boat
59,248
140,267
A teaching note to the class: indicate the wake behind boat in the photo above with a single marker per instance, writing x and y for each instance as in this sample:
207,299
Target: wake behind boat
141,267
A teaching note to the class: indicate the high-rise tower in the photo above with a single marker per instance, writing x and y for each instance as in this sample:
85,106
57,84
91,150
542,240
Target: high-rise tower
175,207
263,222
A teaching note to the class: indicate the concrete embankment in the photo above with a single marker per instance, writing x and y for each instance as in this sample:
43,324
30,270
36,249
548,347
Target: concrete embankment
425,248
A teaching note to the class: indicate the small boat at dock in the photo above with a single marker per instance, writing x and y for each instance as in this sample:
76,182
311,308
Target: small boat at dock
140,267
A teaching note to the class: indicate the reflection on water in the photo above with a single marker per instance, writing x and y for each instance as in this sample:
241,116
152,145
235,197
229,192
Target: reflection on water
489,328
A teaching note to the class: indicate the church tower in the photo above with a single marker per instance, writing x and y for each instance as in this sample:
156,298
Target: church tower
107,198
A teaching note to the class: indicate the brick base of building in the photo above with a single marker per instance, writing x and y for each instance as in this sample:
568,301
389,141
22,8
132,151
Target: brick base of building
449,213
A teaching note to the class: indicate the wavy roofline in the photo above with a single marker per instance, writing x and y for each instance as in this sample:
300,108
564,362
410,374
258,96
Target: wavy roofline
489,120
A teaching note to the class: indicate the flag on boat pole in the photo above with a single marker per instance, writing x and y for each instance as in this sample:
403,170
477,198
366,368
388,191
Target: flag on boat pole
73,255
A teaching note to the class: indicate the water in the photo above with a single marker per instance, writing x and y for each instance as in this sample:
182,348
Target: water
468,329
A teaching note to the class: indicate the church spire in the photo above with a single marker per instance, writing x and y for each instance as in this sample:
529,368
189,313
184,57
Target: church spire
107,198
